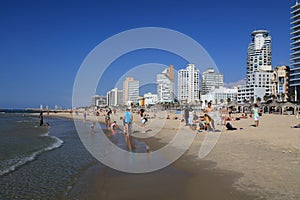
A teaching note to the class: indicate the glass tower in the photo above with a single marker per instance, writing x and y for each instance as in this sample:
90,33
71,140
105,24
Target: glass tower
295,52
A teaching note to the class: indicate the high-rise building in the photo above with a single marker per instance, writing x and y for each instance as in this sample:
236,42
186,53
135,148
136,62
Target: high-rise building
165,85
115,97
130,90
211,80
188,84
295,51
259,68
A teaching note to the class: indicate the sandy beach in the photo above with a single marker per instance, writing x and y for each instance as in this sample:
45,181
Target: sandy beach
249,163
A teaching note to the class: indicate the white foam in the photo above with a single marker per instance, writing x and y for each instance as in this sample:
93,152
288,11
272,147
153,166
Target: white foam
17,162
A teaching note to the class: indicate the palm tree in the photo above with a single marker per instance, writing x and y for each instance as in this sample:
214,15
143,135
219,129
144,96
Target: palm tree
282,96
228,101
252,100
266,97
221,101
258,99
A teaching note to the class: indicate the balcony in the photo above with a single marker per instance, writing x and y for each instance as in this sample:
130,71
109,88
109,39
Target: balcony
295,27
294,68
296,42
296,21
295,63
296,8
295,53
295,16
295,48
295,32
295,37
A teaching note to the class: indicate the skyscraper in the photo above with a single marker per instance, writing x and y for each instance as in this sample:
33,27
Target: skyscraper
295,51
165,85
211,80
259,67
188,84
130,90
259,55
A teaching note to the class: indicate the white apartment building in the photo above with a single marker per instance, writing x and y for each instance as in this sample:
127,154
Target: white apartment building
98,100
115,97
150,99
165,85
217,96
259,68
188,84
211,80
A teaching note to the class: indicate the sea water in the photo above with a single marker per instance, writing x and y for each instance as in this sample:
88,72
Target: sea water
39,162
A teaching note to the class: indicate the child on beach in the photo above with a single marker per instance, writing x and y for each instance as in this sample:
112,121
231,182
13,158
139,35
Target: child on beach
114,127
92,127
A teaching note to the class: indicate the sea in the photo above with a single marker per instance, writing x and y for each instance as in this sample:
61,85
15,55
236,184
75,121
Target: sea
41,162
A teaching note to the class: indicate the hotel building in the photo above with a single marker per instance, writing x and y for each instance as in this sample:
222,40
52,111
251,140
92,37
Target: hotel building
295,51
188,84
259,68
165,85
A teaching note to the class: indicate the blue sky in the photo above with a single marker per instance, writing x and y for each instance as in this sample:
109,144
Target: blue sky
43,43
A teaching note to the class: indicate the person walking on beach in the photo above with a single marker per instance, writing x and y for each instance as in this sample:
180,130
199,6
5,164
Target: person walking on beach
144,119
191,117
186,116
256,115
208,118
84,116
41,118
128,118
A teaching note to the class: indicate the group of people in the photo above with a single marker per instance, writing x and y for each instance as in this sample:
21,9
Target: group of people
127,119
206,122
191,119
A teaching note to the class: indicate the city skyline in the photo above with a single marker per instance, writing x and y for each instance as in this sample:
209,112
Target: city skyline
44,43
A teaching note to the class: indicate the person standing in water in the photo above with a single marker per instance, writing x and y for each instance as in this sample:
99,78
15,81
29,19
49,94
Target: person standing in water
41,118
128,117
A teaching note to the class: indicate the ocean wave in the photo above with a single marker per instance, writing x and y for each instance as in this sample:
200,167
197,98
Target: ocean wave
11,165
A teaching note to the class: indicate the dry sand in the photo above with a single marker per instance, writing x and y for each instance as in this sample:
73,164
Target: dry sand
262,162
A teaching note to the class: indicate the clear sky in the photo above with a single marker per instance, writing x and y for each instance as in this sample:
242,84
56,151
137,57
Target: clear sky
43,43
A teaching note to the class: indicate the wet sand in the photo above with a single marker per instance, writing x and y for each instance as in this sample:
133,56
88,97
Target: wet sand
185,179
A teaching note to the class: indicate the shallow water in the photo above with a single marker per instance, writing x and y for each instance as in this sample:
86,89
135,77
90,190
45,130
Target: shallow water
41,163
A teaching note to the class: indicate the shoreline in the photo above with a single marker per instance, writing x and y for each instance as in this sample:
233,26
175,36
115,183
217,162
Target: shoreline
251,157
